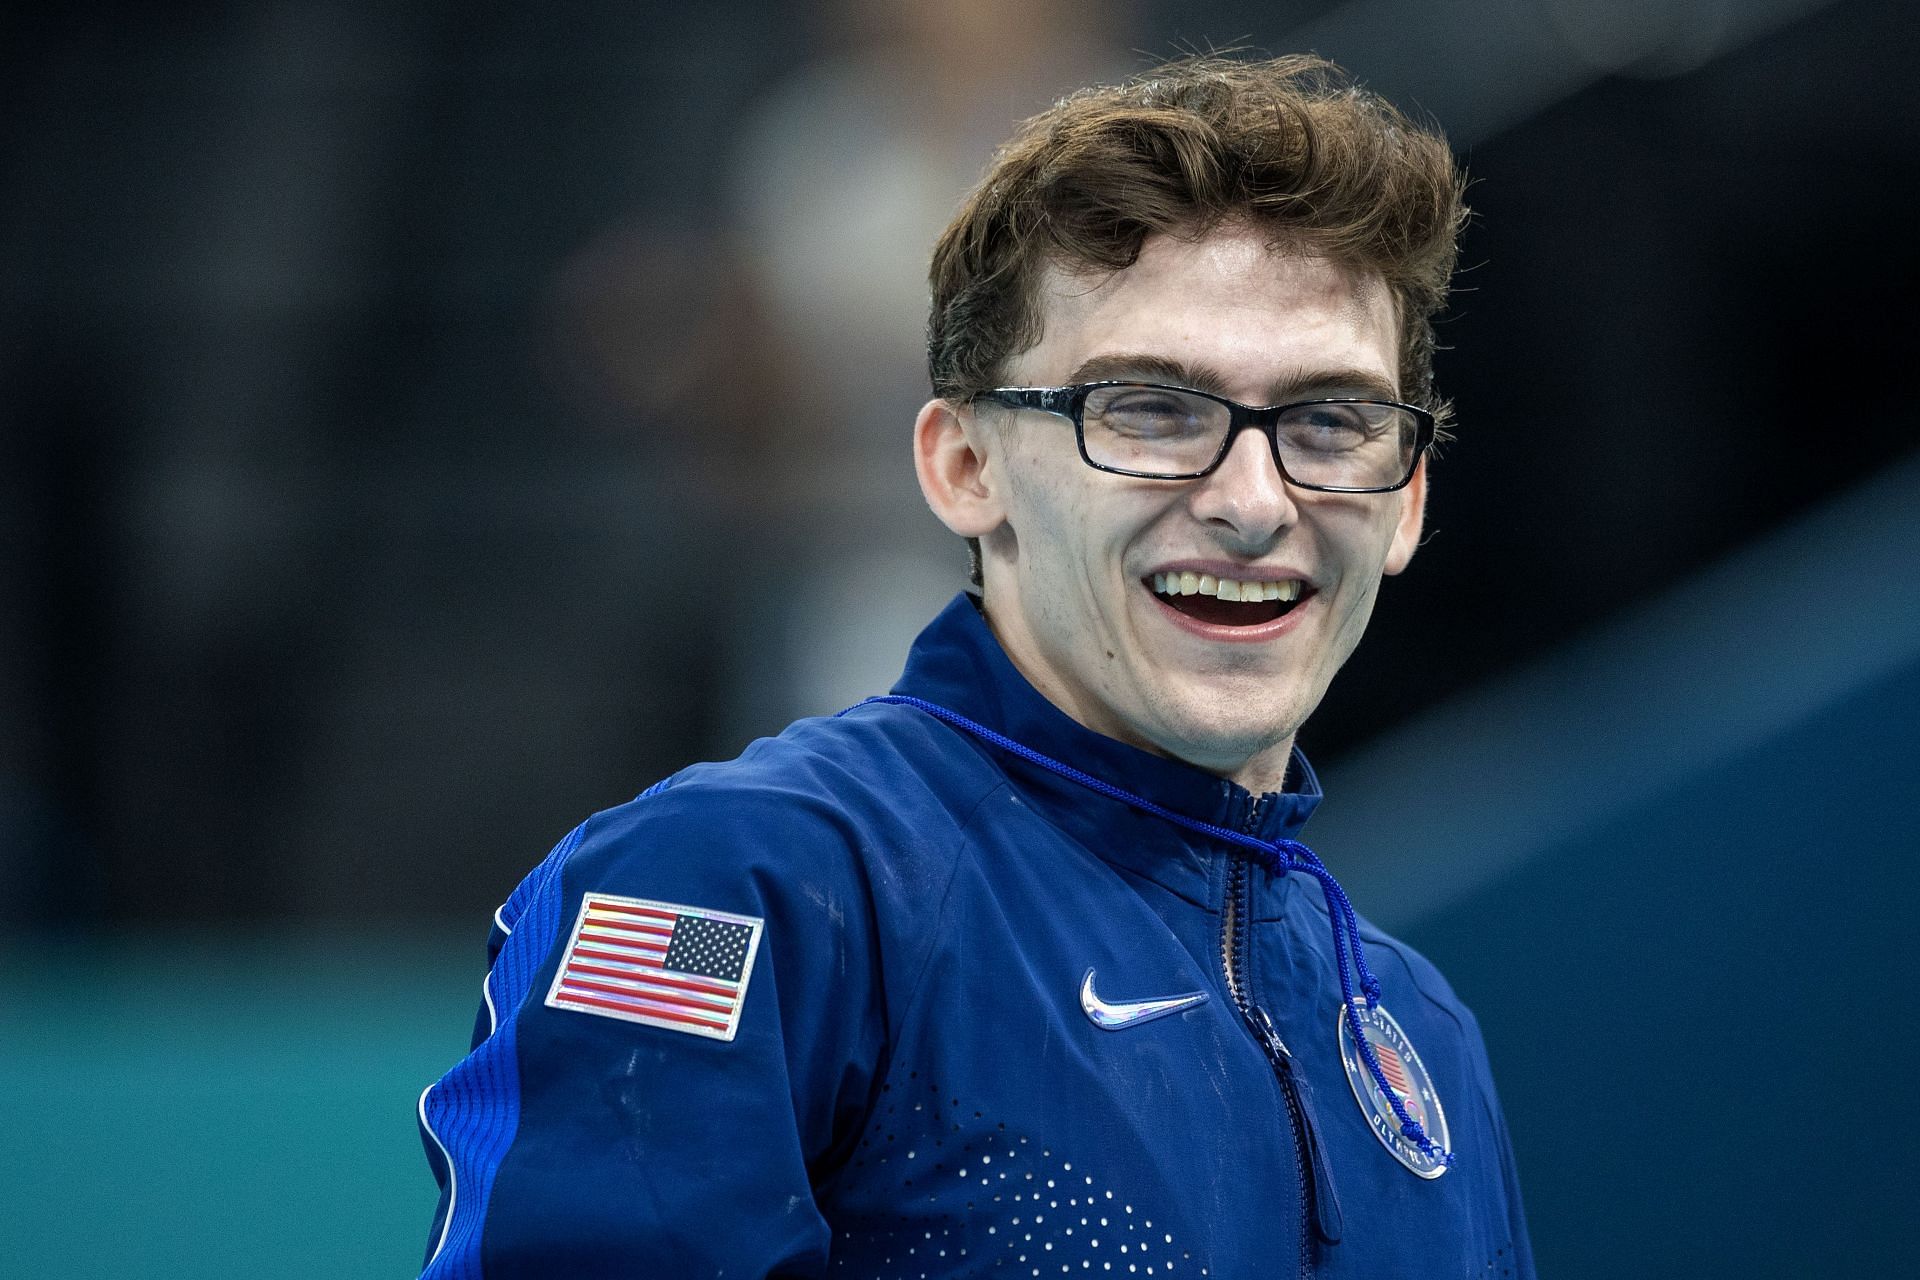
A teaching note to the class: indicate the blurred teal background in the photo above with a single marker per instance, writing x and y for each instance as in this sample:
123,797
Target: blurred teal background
192,1104
1702,1017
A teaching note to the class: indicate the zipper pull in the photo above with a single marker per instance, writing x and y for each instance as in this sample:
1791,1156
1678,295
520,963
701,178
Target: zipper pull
1328,1221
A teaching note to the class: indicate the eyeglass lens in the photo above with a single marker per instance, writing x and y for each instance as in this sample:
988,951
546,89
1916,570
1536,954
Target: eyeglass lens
1162,431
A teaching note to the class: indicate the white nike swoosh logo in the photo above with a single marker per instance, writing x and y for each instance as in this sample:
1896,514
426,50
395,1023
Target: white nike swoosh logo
1131,1013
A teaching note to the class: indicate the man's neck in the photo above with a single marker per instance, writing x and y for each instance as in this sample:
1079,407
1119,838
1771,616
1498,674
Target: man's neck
1266,771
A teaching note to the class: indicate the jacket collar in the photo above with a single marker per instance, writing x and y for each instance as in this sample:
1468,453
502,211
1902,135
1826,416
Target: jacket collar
957,663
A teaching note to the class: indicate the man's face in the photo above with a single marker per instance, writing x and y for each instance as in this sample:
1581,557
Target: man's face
1070,573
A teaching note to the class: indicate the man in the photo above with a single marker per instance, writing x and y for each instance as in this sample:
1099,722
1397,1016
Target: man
1021,970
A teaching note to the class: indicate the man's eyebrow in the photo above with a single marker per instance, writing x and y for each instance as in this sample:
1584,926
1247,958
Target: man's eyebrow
1307,384
1333,382
1123,365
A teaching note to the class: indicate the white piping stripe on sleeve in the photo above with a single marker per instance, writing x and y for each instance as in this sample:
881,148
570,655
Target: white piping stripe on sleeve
486,989
453,1186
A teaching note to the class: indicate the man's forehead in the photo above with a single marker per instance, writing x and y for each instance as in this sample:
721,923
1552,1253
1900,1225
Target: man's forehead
1286,383
1234,294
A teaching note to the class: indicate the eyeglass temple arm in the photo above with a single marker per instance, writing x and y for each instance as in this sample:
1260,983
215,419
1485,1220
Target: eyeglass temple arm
1047,399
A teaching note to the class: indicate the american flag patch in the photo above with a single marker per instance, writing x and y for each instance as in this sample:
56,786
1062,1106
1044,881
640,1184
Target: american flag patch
658,963
1394,1070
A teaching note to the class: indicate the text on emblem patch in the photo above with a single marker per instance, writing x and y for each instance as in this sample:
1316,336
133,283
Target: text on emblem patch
1408,1078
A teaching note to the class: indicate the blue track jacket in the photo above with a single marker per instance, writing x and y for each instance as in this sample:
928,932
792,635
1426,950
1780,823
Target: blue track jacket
895,922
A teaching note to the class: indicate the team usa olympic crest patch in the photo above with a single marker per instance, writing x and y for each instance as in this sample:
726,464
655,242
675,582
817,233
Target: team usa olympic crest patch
1411,1083
658,963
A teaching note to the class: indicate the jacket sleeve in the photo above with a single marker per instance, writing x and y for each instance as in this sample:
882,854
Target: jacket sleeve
575,1141
1520,1245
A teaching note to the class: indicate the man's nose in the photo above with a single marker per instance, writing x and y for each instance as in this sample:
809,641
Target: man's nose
1246,494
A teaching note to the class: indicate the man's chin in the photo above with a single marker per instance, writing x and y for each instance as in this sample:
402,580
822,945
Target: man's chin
1223,735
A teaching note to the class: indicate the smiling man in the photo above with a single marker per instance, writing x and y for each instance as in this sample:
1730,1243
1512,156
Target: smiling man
1202,618
1023,968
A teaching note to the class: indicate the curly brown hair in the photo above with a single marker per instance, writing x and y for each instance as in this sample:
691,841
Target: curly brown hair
1291,145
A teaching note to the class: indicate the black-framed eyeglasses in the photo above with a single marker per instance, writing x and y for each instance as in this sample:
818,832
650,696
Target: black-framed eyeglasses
1334,445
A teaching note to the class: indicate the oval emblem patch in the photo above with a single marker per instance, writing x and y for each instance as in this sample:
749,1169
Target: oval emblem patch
1411,1084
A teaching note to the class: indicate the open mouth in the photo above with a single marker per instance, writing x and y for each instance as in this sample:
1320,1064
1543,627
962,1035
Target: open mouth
1227,602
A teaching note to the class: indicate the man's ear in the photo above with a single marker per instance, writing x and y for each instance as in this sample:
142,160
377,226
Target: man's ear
956,464
1413,515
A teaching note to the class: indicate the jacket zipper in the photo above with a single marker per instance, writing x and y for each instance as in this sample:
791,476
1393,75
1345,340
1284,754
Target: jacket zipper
1319,1206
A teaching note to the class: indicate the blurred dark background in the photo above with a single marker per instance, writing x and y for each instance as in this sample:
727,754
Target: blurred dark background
422,425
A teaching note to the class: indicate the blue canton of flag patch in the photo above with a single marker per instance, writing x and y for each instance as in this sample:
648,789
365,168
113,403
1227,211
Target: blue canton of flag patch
661,964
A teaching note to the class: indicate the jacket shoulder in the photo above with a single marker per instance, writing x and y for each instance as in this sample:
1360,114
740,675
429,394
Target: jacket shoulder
865,809
1420,971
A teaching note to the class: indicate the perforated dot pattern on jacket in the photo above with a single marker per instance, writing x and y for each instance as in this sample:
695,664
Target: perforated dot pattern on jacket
969,1196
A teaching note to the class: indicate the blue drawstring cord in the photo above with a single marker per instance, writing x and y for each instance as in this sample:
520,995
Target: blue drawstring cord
1277,856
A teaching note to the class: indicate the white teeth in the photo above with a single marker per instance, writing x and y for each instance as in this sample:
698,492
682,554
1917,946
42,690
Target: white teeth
1205,584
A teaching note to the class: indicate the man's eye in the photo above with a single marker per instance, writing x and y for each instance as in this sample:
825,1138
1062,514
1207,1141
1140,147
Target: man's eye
1149,407
1329,427
1145,413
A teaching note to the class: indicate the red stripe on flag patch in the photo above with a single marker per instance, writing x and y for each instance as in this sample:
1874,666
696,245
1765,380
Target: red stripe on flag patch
627,928
627,909
661,964
653,946
631,970
707,996
622,1006
1392,1068
640,996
